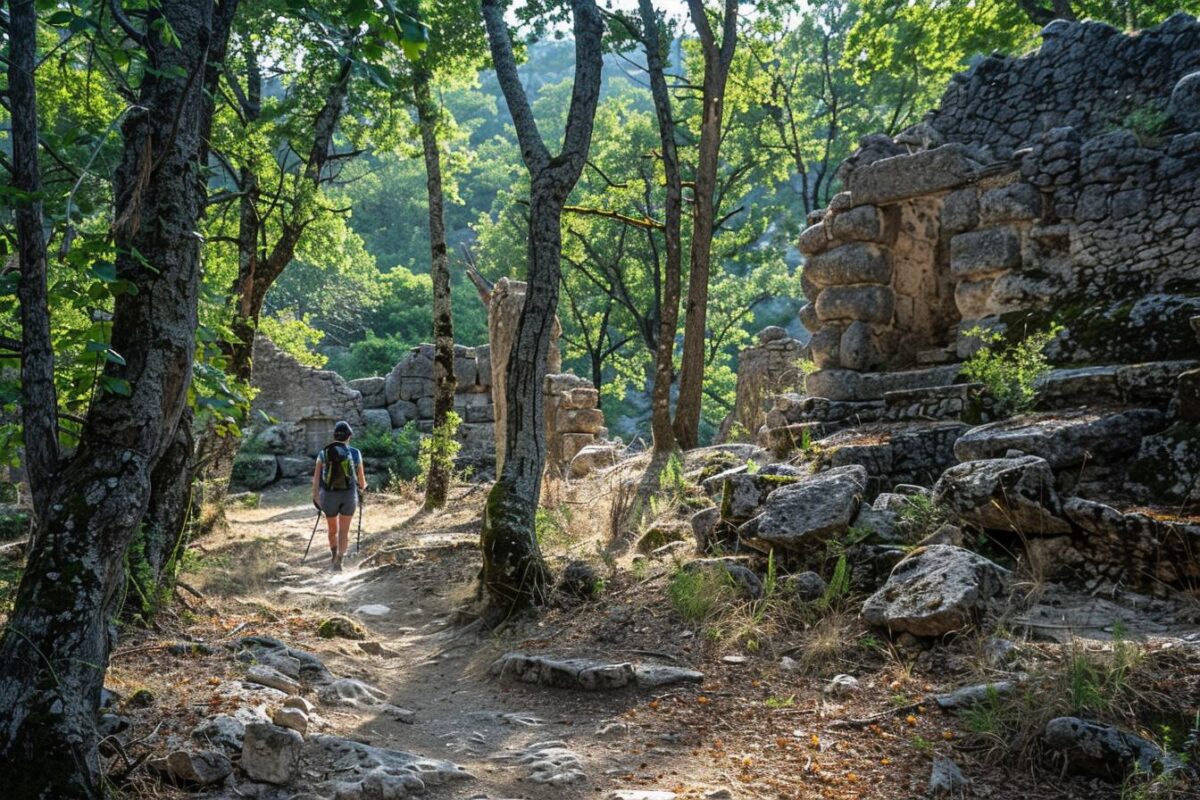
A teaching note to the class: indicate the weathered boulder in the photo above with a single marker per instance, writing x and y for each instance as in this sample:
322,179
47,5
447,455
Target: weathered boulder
402,412
867,301
1003,494
1102,750
810,510
192,769
295,466
1184,106
742,493
1063,439
253,472
1167,466
222,731
293,662
291,717
271,754
935,590
594,457
804,586
979,253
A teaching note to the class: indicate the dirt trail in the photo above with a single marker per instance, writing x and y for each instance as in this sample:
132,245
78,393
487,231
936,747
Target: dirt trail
413,570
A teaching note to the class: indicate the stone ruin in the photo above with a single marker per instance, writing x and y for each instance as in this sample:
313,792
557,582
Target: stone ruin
296,407
1060,187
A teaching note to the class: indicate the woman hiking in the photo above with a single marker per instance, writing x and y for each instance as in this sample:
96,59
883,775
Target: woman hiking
337,481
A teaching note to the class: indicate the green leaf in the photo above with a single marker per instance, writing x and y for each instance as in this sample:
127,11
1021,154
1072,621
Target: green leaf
114,385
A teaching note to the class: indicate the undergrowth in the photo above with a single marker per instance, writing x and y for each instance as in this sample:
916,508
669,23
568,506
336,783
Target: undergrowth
1010,372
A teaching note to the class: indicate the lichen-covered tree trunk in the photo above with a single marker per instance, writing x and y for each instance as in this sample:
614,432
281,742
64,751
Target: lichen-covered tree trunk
39,407
717,60
437,481
165,526
664,356
55,647
514,572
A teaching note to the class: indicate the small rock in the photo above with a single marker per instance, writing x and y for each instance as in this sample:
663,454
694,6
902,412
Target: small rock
291,717
190,649
580,581
788,664
805,586
273,678
271,754
339,627
946,779
842,686
946,534
296,701
969,696
734,659
639,794
372,610
999,652
141,698
193,769
718,794
377,649
350,692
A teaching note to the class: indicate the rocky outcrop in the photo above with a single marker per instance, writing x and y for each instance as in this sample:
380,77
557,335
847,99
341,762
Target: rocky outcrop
1093,749
802,515
586,674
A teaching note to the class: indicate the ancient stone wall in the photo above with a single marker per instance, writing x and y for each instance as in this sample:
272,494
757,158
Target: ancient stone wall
1014,206
769,367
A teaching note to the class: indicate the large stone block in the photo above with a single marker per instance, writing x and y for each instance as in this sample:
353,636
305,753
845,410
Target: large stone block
466,371
862,224
808,317
978,253
415,388
1184,107
848,264
379,418
825,347
901,177
960,211
813,239
867,302
580,420
1012,203
402,412
373,391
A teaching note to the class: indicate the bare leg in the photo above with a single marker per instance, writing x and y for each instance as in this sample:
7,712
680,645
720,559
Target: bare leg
343,533
332,524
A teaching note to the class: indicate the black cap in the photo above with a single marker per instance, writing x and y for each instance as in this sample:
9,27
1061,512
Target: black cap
342,431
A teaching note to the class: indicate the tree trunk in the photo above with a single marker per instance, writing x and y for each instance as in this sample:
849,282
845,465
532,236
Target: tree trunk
55,648
514,572
156,559
664,356
39,405
717,60
437,482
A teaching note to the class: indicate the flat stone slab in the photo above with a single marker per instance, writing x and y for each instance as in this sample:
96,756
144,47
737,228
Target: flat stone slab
1063,439
355,770
890,180
586,674
845,384
812,509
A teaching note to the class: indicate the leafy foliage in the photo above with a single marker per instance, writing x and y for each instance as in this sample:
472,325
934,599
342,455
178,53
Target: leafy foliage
1010,372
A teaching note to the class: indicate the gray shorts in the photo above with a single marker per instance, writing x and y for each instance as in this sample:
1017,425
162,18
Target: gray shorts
340,501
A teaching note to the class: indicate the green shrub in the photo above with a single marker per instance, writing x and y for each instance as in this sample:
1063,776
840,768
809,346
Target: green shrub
697,594
1146,123
399,450
13,523
1010,373
441,445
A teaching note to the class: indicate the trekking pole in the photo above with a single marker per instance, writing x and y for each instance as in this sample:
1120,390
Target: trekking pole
313,536
362,496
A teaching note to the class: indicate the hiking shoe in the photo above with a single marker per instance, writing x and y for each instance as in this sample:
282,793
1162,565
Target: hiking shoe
337,563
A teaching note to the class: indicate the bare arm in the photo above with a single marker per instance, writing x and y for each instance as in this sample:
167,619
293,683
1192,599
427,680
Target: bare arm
362,475
316,483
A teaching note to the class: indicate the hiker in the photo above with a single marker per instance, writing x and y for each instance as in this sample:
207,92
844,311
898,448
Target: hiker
337,481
